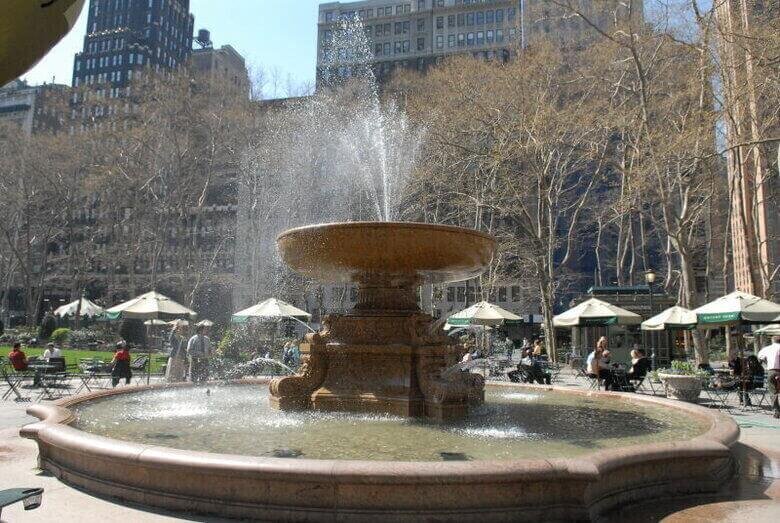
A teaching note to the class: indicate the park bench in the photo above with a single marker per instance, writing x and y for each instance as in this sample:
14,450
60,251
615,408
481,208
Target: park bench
31,497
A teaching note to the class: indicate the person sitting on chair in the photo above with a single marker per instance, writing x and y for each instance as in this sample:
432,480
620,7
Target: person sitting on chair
640,365
18,358
598,364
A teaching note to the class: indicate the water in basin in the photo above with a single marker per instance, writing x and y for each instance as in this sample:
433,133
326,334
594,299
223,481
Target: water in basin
512,424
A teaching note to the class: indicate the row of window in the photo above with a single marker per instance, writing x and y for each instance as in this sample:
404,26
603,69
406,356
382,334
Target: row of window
477,38
108,44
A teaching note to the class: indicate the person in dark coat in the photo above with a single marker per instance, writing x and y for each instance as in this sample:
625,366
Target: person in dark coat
121,362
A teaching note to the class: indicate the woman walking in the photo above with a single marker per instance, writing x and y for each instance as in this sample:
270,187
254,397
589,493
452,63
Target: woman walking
176,370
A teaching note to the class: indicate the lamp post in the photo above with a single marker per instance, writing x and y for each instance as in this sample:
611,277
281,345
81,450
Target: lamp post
650,278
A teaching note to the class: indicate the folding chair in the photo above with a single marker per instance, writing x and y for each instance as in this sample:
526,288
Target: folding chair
14,380
717,396
757,395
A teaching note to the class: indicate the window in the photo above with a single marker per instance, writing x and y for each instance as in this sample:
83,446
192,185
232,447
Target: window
439,22
420,44
470,39
511,13
461,20
490,36
461,293
420,5
397,48
499,35
480,38
451,21
398,28
439,41
406,46
512,33
499,16
407,26
515,293
386,50
461,40
470,19
421,24
489,17
502,294
480,18
451,294
399,9
451,41
378,30
377,49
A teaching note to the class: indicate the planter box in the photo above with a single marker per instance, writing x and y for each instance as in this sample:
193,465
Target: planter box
679,387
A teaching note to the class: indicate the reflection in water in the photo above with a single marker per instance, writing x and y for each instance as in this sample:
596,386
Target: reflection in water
237,419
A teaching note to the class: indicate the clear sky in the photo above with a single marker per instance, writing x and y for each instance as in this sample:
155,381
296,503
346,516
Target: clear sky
279,36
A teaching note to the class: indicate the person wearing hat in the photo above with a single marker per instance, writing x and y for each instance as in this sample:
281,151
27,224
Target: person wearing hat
121,363
52,351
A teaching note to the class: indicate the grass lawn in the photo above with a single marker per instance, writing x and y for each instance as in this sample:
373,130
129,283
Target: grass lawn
72,356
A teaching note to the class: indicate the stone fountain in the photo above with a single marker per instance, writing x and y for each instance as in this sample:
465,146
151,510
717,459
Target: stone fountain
383,356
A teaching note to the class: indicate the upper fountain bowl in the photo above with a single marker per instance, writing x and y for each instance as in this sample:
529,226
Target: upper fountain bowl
343,252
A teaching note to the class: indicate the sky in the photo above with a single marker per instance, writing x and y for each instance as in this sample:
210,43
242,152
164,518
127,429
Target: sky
277,36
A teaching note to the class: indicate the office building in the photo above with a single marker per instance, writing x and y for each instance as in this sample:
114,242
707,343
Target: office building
752,162
417,34
124,36
35,108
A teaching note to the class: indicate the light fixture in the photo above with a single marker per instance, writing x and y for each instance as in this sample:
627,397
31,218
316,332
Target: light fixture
649,276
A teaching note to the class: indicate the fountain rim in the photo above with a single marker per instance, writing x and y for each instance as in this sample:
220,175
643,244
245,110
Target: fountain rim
56,418
390,225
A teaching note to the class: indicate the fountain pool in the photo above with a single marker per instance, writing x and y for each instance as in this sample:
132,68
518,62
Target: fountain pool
510,425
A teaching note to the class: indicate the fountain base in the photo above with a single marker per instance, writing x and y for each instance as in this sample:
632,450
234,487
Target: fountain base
379,363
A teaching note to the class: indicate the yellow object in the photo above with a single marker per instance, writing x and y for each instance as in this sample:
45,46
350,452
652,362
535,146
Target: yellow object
29,29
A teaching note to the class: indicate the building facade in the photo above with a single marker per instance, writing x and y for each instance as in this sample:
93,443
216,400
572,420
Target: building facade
124,36
34,108
750,97
417,34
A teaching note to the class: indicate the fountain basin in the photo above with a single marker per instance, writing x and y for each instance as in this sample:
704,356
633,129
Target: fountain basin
283,489
347,252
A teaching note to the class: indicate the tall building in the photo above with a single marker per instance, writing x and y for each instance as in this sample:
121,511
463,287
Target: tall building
35,108
418,34
750,96
124,36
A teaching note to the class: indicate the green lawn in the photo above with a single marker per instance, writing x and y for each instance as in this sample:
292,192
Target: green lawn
73,356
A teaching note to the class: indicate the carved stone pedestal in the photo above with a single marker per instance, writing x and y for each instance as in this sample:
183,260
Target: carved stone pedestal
380,364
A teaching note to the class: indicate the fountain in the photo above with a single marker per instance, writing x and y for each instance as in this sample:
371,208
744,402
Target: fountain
380,424
383,356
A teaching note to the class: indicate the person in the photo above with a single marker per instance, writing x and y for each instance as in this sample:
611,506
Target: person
748,374
640,365
121,364
466,357
533,368
771,356
538,348
199,352
287,353
52,351
18,358
176,369
598,364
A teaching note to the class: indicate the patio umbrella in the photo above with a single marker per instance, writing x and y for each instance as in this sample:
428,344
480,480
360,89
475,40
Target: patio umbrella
737,308
773,329
155,323
482,313
271,310
672,318
88,309
149,306
205,323
595,312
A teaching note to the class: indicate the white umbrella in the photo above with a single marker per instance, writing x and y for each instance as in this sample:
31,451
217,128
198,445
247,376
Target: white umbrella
88,309
482,313
151,305
270,309
773,329
155,323
735,309
205,323
594,312
672,318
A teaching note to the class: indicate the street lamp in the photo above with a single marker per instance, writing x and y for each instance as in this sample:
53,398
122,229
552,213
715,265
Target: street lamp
650,278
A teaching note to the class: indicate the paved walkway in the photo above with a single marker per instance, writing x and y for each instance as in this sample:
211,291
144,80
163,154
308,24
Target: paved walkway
754,496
